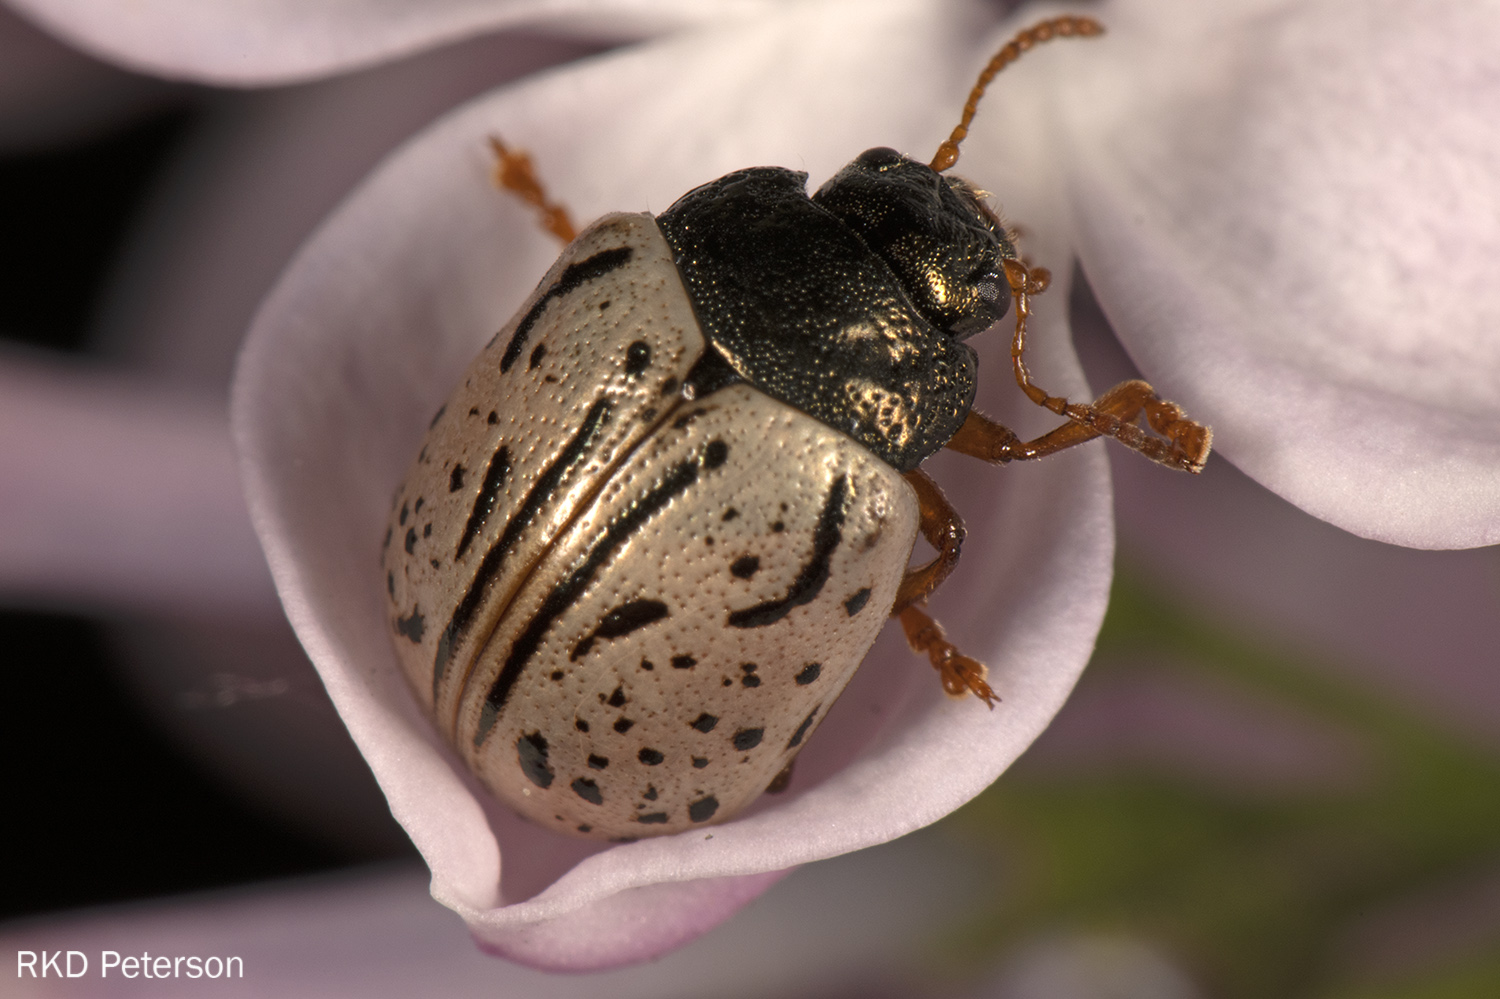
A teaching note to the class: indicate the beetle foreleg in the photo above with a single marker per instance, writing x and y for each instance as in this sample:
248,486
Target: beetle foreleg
1183,444
960,674
944,530
514,173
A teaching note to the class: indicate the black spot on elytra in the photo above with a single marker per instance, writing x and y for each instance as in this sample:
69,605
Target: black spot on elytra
796,739
557,675
748,738
809,673
427,531
715,454
814,574
587,790
778,527
647,665
780,782
728,682
650,794
704,722
580,724
683,662
405,512
745,566
473,410
456,479
857,602
652,818
623,725
650,757
412,627
598,762
637,358
687,418
648,414
617,699
536,357
585,828
390,584
492,419
531,753
699,762
572,277
411,540
669,387
387,542
621,621
604,305
437,416
703,809
434,563
488,497
418,507
729,515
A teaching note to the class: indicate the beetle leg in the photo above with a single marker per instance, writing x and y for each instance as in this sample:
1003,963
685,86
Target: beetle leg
1182,444
944,530
960,674
514,173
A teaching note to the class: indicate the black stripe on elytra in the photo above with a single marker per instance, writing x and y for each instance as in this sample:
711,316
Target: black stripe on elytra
620,622
678,480
572,276
484,503
546,485
809,582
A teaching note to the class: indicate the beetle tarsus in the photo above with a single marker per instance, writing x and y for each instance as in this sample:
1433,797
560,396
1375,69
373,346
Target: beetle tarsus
960,674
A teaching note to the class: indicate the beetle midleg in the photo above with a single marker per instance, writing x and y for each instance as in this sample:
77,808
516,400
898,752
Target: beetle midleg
515,173
1183,444
960,674
944,530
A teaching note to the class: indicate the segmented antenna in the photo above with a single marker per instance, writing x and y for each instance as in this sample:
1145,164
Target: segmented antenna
1058,27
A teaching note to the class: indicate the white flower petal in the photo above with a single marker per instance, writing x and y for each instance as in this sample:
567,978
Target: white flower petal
261,42
1288,211
118,494
370,327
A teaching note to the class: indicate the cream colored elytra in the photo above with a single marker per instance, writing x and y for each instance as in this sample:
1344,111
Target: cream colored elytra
628,609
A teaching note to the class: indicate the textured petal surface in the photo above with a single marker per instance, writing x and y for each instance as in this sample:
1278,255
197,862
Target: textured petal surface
365,334
258,42
1288,211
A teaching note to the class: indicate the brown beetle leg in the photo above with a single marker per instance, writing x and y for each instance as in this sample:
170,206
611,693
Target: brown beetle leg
1183,444
944,530
960,674
514,173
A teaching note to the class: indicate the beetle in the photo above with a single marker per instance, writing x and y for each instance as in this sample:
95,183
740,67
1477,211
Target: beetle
651,535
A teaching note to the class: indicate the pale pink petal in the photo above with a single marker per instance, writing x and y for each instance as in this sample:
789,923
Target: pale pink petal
51,93
375,934
371,325
121,495
262,42
1288,211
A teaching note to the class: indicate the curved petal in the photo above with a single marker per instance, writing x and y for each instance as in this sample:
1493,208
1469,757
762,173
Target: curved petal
119,494
262,42
1288,212
375,319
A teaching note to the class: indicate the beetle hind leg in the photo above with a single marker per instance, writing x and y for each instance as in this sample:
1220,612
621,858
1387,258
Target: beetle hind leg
514,172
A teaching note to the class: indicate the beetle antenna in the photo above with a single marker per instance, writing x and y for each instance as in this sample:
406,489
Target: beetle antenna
1069,26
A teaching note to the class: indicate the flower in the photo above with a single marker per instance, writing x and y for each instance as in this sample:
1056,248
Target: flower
1244,229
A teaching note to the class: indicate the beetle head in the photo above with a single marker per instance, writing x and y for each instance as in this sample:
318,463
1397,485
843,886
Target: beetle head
935,232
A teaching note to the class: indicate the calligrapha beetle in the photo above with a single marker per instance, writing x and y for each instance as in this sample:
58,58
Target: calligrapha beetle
654,530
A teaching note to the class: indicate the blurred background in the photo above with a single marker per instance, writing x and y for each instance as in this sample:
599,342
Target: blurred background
1280,777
